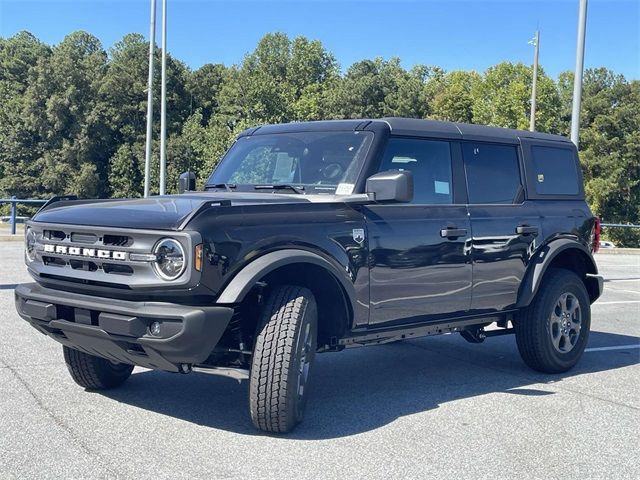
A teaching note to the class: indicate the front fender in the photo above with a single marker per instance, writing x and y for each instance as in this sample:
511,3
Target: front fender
246,278
541,261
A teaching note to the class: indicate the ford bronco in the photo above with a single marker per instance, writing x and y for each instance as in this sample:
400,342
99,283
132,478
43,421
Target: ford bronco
314,237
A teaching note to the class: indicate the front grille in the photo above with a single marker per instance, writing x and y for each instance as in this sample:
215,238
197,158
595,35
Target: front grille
100,256
86,238
54,235
54,261
116,240
84,265
117,269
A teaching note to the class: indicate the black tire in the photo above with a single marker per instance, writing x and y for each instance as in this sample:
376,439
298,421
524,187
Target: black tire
544,342
95,373
285,348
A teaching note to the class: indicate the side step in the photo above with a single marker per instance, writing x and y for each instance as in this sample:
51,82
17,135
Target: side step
386,335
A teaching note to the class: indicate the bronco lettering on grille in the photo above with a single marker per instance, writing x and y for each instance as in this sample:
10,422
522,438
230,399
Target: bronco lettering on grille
85,252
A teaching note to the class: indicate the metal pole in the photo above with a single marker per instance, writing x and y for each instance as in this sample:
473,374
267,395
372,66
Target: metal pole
577,80
163,104
147,156
13,215
534,87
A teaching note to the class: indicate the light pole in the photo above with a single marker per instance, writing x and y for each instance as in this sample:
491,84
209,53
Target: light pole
577,80
163,104
534,87
147,155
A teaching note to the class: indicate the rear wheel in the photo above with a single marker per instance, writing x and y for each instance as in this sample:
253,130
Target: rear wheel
553,331
282,358
95,373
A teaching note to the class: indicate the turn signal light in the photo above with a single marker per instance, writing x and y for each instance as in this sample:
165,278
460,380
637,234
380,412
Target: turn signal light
198,258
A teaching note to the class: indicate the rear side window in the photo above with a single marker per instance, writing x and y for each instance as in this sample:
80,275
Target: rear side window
492,171
555,171
430,163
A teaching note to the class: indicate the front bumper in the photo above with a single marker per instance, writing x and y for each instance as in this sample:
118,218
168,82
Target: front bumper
118,330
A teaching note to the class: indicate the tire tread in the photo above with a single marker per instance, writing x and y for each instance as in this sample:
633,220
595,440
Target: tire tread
93,372
269,392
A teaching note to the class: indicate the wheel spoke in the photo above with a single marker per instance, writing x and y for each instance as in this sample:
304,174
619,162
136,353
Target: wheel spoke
563,302
574,308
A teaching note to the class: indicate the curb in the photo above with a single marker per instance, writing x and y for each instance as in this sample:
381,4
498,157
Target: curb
619,251
18,237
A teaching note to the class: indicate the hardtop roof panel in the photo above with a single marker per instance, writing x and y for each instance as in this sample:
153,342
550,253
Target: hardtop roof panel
412,127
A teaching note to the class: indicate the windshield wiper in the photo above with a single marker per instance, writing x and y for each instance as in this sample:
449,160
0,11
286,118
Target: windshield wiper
280,186
227,186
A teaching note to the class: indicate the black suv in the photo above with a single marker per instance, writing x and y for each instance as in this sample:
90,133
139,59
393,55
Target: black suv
314,237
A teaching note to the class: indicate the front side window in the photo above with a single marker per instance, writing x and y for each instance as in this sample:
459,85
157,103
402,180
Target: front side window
315,162
430,163
492,171
555,171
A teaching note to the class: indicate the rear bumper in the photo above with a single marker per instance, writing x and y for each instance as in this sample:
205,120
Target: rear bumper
118,330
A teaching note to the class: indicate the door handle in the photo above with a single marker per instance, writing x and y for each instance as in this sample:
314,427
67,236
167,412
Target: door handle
526,230
453,232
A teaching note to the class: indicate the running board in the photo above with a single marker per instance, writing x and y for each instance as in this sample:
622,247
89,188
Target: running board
387,335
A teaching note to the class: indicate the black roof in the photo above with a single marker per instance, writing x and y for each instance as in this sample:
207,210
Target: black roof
412,127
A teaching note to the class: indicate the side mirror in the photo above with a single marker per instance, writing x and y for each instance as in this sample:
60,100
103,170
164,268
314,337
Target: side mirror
391,186
187,182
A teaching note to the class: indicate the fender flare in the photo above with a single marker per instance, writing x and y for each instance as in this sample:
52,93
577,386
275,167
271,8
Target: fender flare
541,261
246,278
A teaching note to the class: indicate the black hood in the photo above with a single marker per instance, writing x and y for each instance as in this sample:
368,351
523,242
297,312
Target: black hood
154,213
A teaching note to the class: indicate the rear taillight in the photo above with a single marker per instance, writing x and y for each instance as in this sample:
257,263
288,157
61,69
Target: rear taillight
596,234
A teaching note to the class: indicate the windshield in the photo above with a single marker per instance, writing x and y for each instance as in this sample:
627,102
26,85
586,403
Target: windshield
311,162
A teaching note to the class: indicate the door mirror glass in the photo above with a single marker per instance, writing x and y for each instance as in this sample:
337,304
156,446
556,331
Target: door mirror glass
187,182
391,186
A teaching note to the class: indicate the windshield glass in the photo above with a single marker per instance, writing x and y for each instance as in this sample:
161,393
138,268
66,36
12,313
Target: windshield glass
319,162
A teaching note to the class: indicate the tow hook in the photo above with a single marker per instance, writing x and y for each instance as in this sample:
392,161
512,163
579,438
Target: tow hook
185,368
474,335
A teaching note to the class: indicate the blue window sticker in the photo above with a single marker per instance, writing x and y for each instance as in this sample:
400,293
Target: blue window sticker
441,187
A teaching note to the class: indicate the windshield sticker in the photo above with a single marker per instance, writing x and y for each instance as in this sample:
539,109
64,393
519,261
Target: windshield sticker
284,169
344,189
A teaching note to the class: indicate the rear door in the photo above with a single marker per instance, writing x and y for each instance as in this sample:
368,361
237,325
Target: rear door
504,226
419,263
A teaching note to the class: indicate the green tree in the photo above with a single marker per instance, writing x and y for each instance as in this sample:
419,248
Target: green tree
452,96
502,98
203,86
19,56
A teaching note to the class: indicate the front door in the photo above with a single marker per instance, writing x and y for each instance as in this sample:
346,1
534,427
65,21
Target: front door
419,263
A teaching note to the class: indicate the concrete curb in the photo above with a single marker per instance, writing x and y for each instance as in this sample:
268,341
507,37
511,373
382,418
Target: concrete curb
18,237
619,251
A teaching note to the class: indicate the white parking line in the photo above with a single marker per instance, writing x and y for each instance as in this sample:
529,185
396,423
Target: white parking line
611,289
614,303
606,349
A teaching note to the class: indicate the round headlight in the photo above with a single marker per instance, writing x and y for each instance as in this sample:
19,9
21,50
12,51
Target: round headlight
30,244
170,261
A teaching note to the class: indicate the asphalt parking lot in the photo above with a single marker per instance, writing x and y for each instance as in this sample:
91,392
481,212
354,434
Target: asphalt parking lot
428,408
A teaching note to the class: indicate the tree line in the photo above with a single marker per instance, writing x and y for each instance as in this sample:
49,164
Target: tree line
72,115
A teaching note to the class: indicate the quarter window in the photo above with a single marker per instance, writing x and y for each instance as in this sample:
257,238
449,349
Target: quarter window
555,171
492,171
430,163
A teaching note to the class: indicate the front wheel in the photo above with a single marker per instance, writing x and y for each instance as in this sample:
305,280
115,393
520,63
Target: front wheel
282,358
553,331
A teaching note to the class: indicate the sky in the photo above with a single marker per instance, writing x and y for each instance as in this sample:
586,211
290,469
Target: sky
453,34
